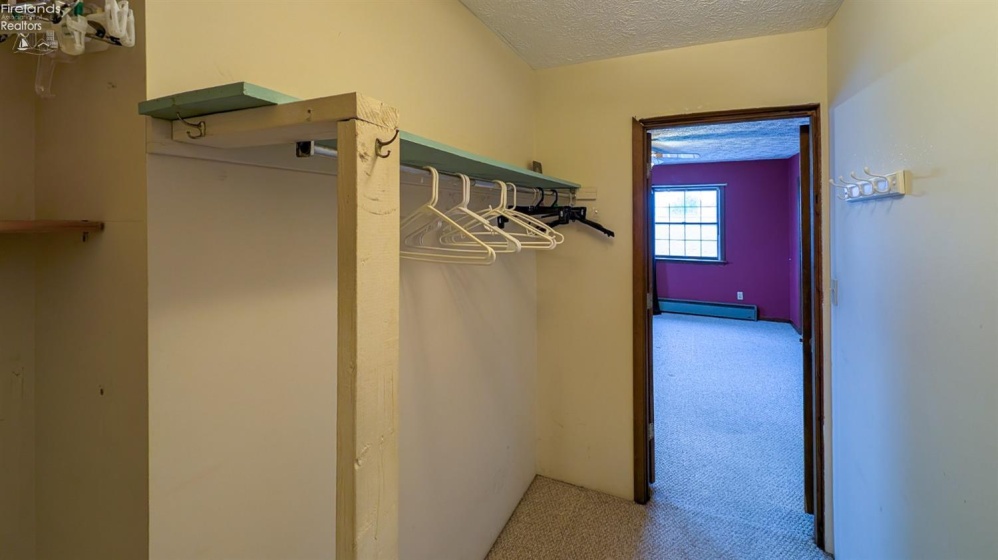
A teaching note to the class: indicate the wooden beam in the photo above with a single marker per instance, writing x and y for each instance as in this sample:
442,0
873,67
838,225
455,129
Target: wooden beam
367,470
50,226
312,119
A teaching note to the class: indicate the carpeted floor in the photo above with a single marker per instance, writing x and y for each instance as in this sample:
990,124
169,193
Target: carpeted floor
729,460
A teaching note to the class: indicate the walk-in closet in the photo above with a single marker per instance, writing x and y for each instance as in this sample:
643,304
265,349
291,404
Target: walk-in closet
375,280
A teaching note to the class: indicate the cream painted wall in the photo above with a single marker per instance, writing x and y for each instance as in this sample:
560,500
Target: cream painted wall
467,433
583,132
467,395
17,311
242,373
916,324
90,312
242,314
451,78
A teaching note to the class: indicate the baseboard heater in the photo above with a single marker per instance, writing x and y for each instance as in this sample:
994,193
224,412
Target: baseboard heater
710,309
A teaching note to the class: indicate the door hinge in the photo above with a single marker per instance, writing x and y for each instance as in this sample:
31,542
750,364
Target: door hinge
649,301
651,431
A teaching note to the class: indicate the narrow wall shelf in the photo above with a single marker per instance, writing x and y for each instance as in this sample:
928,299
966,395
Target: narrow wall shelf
415,151
219,99
422,152
50,226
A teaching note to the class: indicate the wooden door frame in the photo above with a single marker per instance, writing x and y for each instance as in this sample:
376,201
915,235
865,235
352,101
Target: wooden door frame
811,281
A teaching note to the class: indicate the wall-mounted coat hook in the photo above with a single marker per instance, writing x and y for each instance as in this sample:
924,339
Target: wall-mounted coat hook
893,185
200,126
884,178
379,144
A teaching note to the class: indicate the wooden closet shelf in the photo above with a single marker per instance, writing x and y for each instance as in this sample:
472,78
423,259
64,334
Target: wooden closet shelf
50,226
417,151
242,115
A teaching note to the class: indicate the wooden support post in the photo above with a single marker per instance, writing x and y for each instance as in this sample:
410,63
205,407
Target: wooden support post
367,470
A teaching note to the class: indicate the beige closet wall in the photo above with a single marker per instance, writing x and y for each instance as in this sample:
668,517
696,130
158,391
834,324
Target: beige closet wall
72,332
917,315
583,131
91,311
467,397
17,310
242,372
243,291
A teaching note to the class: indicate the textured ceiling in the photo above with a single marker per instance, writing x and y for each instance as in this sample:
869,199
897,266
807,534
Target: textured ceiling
549,33
743,141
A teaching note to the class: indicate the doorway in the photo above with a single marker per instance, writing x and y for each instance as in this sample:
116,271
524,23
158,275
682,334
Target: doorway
708,250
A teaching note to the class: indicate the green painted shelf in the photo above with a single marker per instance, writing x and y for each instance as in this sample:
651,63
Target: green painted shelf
218,99
416,151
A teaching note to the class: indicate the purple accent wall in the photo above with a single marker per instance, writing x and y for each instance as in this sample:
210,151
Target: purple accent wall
793,196
757,239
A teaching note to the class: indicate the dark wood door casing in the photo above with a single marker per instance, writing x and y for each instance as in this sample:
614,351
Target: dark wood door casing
811,303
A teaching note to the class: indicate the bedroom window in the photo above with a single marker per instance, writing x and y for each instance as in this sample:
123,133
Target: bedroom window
688,223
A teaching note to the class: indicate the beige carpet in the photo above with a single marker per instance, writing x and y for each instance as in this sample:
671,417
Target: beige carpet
558,521
729,463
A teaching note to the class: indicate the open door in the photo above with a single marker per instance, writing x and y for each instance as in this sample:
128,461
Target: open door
653,305
812,333
806,328
644,443
810,263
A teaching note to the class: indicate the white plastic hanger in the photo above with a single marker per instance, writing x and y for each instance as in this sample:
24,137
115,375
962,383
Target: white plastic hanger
71,33
559,237
118,21
417,231
532,233
482,229
529,235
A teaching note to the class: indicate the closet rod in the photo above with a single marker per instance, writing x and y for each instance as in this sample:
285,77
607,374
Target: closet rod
325,151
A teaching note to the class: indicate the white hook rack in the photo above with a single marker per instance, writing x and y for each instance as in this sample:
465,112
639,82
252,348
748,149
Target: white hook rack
873,186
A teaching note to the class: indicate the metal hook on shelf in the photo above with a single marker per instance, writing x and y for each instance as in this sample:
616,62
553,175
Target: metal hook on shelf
379,144
200,125
543,194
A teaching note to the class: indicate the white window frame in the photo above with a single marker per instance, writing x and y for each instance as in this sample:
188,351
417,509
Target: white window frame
719,188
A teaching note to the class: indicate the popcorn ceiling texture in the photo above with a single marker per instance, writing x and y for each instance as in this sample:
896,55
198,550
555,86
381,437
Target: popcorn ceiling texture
776,139
553,33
